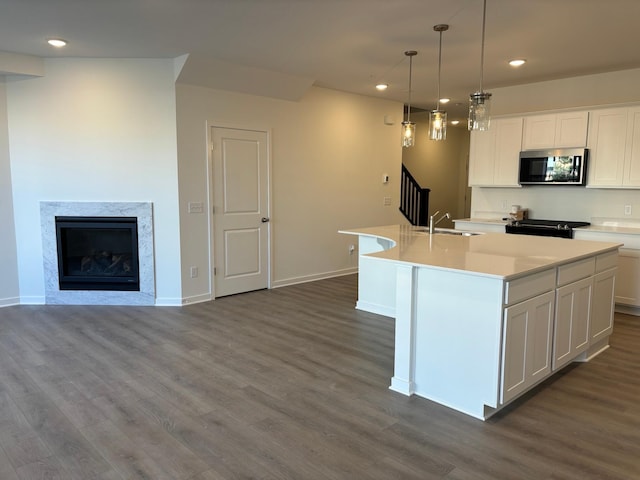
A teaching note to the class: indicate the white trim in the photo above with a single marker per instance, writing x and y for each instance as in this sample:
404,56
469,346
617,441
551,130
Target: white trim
312,278
628,309
35,300
378,309
402,386
9,301
168,302
196,299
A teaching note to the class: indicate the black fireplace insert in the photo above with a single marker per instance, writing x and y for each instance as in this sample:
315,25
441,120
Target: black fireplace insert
98,253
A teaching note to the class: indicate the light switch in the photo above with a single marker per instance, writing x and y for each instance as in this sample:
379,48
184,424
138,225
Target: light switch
196,207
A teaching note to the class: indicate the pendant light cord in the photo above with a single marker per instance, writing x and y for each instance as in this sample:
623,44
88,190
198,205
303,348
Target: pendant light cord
439,70
409,103
484,16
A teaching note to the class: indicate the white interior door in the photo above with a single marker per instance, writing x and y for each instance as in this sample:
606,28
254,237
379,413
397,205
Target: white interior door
240,210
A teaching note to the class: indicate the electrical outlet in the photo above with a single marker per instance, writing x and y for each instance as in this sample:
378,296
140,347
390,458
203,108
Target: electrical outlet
505,204
627,209
386,201
194,272
352,249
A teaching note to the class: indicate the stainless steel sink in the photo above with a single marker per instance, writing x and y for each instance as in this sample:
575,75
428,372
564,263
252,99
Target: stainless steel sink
451,231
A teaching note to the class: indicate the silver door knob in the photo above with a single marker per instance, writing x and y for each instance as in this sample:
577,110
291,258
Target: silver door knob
265,219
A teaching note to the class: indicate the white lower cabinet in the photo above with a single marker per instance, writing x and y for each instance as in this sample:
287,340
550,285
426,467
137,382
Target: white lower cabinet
527,342
571,330
555,317
628,284
604,284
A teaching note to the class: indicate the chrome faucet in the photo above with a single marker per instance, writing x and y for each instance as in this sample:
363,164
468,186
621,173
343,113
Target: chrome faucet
433,223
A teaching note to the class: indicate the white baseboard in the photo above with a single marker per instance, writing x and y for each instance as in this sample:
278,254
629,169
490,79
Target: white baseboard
168,302
629,310
197,299
313,278
376,308
9,301
35,300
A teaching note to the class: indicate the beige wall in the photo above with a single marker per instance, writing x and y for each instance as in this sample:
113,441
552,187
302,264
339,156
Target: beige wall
9,290
329,152
563,203
440,166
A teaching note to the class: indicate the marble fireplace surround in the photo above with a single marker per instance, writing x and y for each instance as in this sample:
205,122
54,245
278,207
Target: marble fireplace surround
143,211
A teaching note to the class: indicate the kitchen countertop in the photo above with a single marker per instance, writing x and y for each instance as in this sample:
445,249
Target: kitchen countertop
623,229
488,254
628,228
489,221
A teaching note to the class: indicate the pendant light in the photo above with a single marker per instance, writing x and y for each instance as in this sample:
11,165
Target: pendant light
480,102
409,127
437,117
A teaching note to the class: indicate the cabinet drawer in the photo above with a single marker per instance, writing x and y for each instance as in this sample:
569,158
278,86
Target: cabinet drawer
576,270
529,286
605,261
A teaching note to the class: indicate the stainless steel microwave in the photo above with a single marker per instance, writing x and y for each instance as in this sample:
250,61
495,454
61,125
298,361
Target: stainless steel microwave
562,166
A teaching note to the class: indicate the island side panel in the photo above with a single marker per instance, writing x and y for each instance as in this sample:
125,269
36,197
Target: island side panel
376,279
403,380
458,325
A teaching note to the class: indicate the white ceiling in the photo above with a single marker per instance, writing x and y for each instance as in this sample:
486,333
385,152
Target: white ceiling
346,45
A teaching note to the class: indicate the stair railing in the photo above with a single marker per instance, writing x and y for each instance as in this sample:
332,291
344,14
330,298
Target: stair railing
414,200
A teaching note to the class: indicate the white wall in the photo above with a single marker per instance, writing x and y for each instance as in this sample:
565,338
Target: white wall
563,203
328,152
9,291
95,130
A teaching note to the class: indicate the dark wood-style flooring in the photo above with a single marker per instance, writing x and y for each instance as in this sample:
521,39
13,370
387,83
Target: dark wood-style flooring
290,383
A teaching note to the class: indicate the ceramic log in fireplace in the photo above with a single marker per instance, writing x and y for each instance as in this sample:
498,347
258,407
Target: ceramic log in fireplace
97,253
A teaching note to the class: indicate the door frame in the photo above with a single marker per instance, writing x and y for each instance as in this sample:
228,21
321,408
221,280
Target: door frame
210,125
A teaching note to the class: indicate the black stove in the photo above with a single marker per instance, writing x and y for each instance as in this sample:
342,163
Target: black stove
544,228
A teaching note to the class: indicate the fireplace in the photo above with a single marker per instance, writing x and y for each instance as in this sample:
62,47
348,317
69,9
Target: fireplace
97,253
142,253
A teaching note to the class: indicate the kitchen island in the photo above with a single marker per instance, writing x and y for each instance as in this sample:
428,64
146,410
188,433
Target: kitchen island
481,319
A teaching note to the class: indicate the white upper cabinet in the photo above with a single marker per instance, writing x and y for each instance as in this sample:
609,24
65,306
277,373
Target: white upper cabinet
557,130
614,148
494,154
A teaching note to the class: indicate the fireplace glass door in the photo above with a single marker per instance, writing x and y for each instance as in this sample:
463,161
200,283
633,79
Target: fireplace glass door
97,253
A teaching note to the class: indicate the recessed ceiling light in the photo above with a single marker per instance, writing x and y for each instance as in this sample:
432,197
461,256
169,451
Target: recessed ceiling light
517,63
445,100
382,86
57,42
455,122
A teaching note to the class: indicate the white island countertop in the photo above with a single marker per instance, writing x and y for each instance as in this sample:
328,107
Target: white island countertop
489,254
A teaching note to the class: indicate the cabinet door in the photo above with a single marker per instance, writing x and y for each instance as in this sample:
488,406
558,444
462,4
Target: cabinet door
603,303
571,130
571,330
628,283
539,132
607,145
481,157
632,164
494,154
526,348
561,130
507,154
